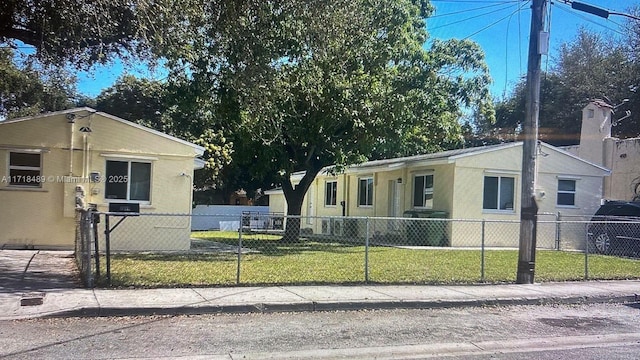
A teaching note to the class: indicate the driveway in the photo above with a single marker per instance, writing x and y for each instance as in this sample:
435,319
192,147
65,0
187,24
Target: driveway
37,270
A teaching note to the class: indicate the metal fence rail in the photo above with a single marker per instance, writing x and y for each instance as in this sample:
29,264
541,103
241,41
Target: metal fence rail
162,249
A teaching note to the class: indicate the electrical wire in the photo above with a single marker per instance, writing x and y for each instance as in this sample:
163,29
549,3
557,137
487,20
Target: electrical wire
495,22
506,50
471,18
464,11
588,19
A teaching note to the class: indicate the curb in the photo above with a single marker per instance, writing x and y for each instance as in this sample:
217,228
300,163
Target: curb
334,306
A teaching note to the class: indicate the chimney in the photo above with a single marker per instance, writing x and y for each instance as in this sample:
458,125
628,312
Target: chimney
596,128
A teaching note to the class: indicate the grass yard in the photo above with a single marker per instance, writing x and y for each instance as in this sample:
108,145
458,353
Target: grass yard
320,262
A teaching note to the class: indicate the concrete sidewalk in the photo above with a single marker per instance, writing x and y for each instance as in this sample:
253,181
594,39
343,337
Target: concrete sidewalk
40,284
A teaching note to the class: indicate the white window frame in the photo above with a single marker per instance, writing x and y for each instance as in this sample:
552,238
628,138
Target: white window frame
368,196
334,193
38,179
129,161
425,191
500,176
574,192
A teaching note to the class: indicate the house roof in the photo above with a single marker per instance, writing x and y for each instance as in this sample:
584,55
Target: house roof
198,149
444,157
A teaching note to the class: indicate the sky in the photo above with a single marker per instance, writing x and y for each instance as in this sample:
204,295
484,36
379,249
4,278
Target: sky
500,27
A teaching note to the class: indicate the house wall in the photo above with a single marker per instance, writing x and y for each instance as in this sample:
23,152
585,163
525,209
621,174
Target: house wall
52,206
458,190
624,159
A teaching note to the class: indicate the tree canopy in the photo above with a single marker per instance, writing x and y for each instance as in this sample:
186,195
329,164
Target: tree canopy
28,90
589,67
169,109
318,83
82,33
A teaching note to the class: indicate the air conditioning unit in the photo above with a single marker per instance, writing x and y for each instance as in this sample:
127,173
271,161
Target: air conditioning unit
326,227
338,227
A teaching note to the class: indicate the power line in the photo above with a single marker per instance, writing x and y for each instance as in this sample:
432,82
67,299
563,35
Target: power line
471,18
506,50
588,19
464,11
497,21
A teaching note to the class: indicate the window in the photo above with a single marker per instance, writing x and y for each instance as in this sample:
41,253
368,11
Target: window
330,193
25,169
365,192
498,193
566,193
128,180
423,191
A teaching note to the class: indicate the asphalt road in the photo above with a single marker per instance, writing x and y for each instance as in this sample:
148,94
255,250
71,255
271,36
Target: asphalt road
532,332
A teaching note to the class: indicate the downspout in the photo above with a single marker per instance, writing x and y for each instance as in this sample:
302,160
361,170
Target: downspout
85,160
345,194
72,121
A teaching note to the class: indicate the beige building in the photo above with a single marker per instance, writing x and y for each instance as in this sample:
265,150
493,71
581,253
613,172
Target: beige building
53,163
621,156
474,183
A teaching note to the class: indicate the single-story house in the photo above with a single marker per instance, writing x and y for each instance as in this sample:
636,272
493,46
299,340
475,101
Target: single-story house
50,164
473,183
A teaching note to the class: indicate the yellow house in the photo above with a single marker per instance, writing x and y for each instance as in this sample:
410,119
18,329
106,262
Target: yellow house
472,184
52,163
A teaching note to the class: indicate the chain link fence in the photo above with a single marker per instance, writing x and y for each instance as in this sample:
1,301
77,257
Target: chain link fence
159,250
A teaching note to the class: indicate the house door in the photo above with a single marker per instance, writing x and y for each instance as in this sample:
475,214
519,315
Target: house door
310,207
395,190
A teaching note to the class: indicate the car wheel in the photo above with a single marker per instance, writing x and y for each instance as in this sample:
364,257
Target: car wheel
602,242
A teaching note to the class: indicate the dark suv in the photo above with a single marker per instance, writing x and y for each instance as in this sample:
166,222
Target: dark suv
615,228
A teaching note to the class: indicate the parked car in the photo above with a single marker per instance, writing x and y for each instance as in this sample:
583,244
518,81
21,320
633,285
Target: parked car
615,229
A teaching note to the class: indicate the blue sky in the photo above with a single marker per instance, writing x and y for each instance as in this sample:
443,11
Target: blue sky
500,27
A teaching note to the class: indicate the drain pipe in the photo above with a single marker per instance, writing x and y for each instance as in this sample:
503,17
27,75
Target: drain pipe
71,119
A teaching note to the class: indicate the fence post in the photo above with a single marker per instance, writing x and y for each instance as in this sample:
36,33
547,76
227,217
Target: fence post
366,252
107,246
95,221
558,229
88,223
586,256
482,252
239,250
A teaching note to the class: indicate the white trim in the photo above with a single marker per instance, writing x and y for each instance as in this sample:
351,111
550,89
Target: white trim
128,194
129,157
335,182
482,150
29,149
568,177
501,172
373,184
199,150
424,192
39,169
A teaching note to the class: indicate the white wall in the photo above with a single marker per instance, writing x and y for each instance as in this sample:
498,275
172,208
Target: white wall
208,217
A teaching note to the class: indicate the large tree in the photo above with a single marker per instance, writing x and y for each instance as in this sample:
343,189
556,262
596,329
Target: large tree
588,67
83,32
321,83
170,108
28,90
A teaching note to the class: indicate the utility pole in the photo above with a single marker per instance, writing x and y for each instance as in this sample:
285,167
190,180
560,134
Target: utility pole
529,208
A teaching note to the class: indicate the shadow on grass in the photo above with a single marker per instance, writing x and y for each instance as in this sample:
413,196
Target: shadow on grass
276,247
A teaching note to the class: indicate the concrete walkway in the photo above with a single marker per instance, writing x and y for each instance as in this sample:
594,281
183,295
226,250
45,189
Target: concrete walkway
44,284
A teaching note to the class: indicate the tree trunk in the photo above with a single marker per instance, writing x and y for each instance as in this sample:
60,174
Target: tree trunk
295,197
294,209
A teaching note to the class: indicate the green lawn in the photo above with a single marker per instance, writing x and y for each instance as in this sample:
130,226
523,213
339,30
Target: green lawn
319,262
